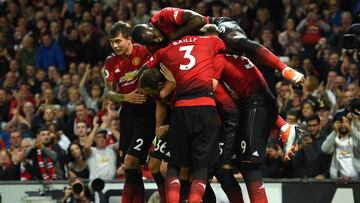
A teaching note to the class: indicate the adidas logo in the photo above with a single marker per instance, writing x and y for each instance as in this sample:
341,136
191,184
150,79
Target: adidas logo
175,181
256,153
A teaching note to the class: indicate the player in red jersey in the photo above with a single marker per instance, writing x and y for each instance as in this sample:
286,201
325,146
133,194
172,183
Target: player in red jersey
258,114
192,138
174,23
137,113
152,81
168,20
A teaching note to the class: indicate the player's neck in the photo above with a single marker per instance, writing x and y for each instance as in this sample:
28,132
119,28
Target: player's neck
128,52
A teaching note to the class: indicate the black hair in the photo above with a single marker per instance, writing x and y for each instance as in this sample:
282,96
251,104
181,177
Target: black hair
42,128
312,117
137,33
120,27
151,78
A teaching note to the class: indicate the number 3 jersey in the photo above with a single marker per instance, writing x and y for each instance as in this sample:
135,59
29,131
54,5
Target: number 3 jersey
190,59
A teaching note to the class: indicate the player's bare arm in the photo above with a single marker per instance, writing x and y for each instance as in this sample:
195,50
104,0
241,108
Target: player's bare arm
132,97
192,22
160,115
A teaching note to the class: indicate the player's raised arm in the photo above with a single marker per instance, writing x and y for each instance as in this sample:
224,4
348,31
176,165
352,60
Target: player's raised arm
191,23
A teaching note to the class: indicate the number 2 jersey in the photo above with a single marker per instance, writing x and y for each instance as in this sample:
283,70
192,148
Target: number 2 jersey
190,59
124,72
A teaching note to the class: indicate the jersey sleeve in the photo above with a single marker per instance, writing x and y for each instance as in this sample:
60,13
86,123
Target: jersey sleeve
219,45
154,60
219,65
109,73
172,16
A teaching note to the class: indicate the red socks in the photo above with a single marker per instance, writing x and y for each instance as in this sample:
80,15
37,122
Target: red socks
172,189
197,191
256,192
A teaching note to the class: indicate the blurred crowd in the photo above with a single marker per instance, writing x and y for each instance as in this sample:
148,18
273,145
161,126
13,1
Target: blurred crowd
53,97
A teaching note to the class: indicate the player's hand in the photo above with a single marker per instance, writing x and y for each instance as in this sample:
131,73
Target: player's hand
161,131
167,73
135,98
294,76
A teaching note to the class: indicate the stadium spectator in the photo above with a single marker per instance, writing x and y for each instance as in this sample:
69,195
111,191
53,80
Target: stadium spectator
27,53
15,141
290,39
343,145
48,159
49,54
77,165
310,161
102,158
96,95
7,168
312,28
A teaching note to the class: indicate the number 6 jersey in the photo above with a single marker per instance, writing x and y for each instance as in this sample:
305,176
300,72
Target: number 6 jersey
190,59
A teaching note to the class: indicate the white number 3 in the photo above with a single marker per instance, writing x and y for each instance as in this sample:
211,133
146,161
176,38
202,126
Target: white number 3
188,55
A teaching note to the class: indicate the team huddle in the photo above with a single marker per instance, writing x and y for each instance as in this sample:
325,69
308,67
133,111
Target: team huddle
183,80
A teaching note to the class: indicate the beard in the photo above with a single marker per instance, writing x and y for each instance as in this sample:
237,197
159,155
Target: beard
344,130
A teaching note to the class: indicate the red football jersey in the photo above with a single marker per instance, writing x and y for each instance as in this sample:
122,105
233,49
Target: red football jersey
123,71
167,20
239,73
190,59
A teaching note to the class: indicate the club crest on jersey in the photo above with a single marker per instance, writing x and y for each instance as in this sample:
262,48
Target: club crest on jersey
135,61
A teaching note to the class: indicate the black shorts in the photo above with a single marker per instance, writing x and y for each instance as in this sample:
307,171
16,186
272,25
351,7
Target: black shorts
137,133
227,139
257,118
193,138
160,150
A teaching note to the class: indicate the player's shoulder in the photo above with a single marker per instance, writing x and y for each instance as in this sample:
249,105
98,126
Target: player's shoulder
110,59
210,38
171,9
139,49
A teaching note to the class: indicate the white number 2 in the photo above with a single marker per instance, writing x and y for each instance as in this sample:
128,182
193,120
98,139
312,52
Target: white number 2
187,55
141,142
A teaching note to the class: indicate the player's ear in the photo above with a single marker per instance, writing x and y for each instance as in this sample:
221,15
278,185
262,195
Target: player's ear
130,38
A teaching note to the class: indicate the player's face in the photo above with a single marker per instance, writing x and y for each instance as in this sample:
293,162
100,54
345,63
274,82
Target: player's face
152,36
120,44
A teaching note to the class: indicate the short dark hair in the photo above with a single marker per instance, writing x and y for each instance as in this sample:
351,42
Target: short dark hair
312,117
137,33
120,27
81,103
151,78
43,128
293,112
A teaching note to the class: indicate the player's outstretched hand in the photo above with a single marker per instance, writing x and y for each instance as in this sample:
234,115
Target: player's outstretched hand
293,76
135,98
167,73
